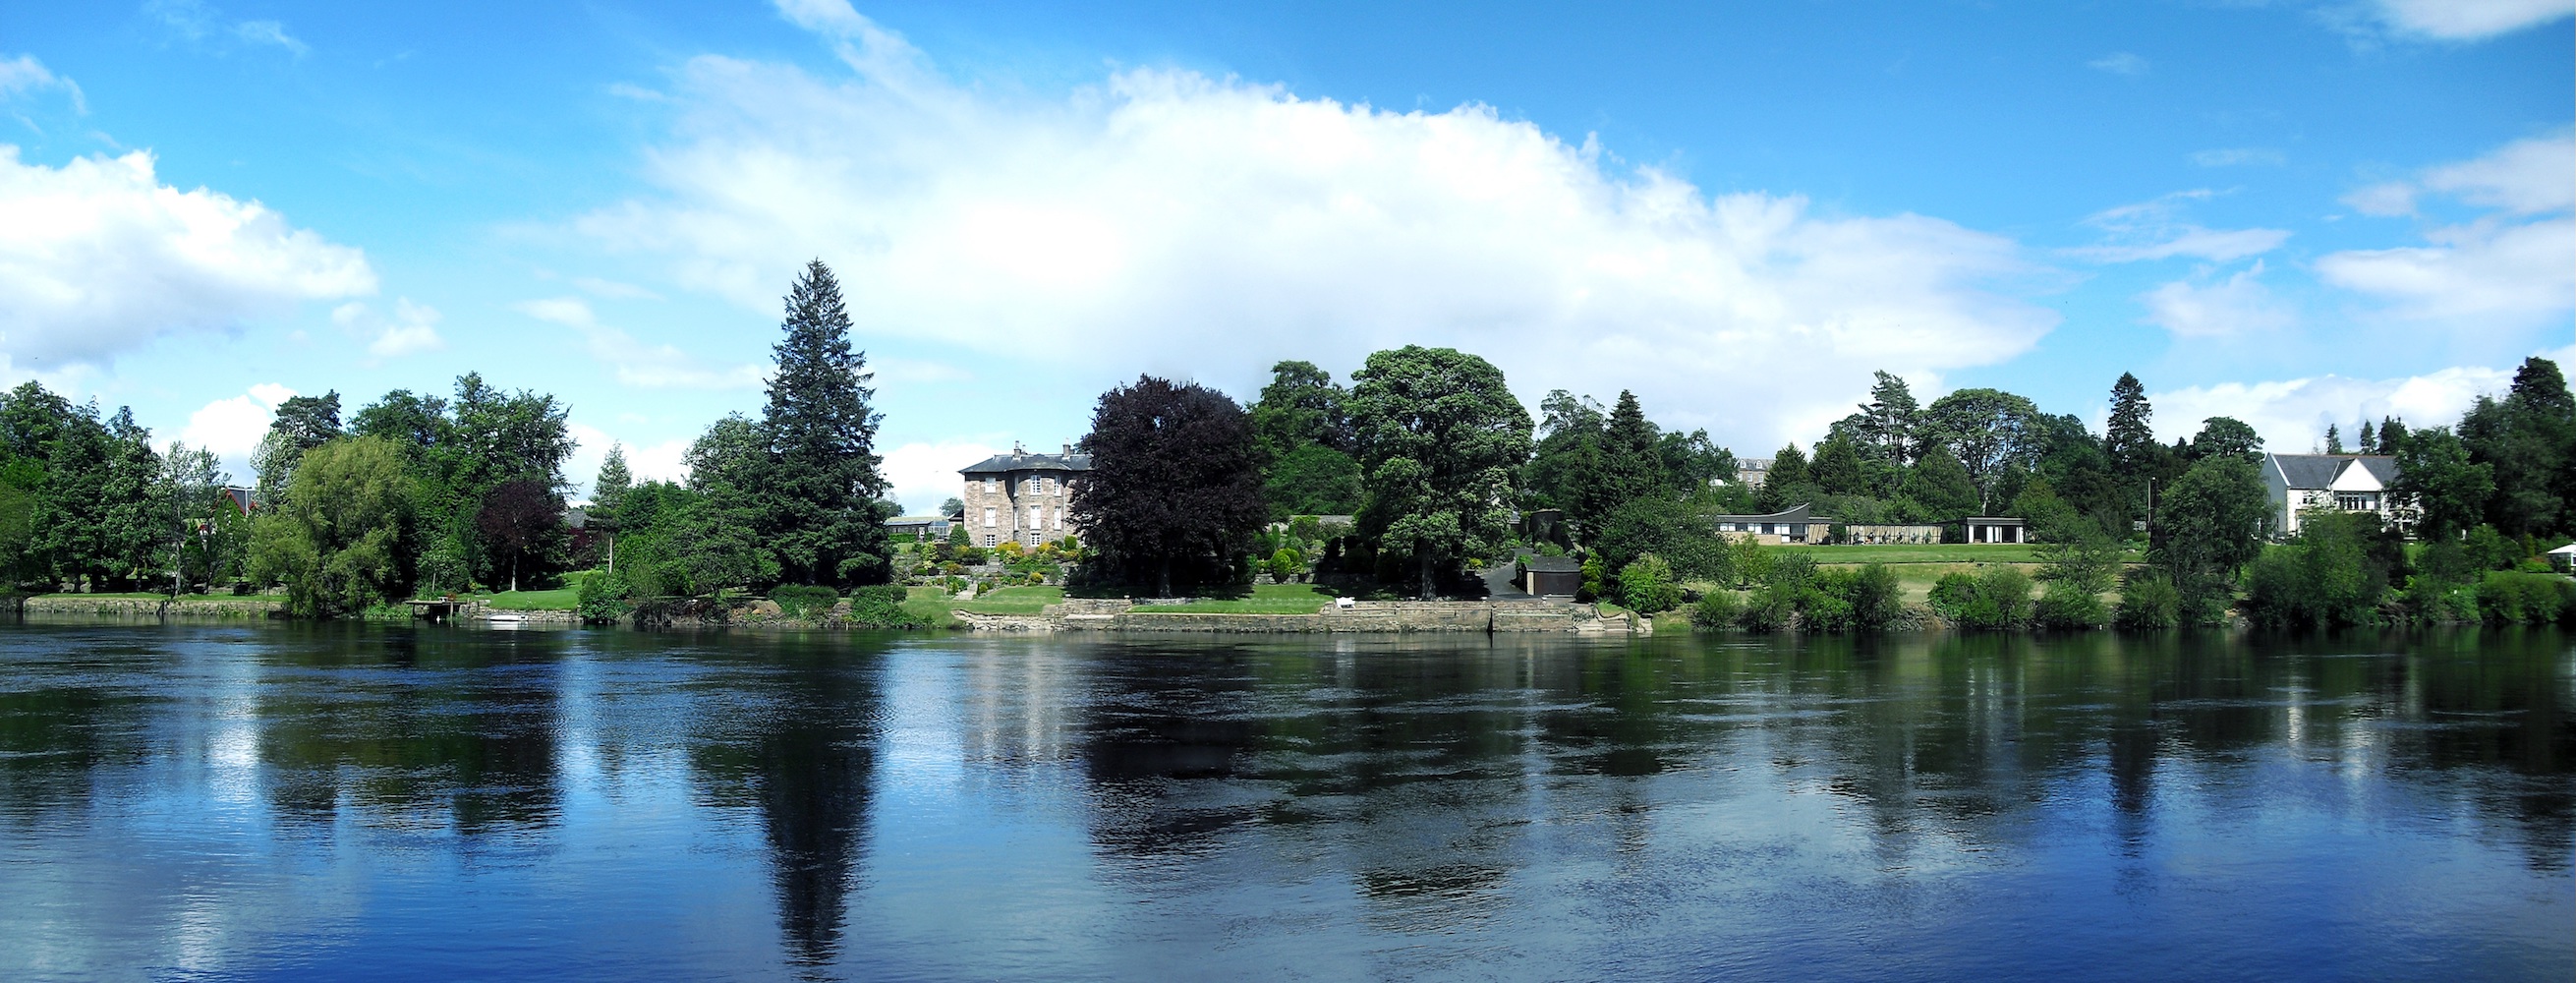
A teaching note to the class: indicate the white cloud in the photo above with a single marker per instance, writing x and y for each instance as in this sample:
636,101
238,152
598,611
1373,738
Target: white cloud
613,290
269,32
24,74
922,475
2154,229
2512,268
232,427
97,258
1170,221
412,329
2468,20
639,364
2237,305
2239,157
660,461
2119,63
2292,414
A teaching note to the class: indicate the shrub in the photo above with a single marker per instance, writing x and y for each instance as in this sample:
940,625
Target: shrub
604,598
1996,600
2513,597
2148,600
1716,610
881,606
1590,589
803,601
1769,610
1286,564
1646,585
2068,606
1877,600
1952,594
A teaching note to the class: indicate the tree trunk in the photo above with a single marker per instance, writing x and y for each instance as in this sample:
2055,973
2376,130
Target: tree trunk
1165,577
1426,576
612,552
514,573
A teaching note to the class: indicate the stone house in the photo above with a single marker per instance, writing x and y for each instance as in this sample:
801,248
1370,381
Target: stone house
1021,497
2338,482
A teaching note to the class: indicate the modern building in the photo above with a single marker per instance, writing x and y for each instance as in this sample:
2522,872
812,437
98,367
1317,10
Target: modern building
1796,525
2331,482
1892,532
1996,529
1021,497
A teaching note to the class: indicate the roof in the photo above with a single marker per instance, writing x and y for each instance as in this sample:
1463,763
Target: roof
1006,463
2319,470
1551,564
1995,520
2569,549
916,520
1798,514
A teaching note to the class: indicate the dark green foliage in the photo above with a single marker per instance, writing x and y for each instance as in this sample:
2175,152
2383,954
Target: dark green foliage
2529,440
1667,527
1439,438
1987,431
2210,525
2081,566
807,602
2436,476
2148,601
2226,435
881,606
1594,578
817,498
1314,479
1787,483
1567,457
1300,408
1871,596
1646,584
605,598
2392,435
1768,609
1996,600
299,424
1836,470
1175,486
1717,609
1884,430
2510,597
1941,487
2334,574
2128,439
2334,440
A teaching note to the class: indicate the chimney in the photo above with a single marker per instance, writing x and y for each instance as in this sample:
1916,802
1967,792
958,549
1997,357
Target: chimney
1017,450
1068,449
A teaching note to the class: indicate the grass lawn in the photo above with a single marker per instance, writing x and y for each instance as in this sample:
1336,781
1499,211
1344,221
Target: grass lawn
1012,600
561,599
930,604
1264,599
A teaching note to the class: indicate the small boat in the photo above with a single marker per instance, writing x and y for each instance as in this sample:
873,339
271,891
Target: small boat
505,618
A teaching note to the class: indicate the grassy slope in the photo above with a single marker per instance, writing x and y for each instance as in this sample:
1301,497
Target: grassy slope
1012,600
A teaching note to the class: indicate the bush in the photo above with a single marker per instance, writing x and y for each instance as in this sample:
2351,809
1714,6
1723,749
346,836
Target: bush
2513,597
1952,594
1647,587
1996,600
2148,600
1718,609
605,598
803,601
2067,607
881,606
1590,590
1877,600
1769,610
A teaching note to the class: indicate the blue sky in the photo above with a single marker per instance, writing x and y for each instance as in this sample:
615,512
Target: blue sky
2290,212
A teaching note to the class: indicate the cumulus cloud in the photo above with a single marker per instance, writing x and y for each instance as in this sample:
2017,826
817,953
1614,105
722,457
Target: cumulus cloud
232,427
2292,414
637,363
659,461
2466,20
922,475
198,22
2239,304
2155,229
412,329
2515,265
97,257
1208,227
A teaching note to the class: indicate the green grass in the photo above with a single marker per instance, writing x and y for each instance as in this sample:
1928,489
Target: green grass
561,599
930,604
1012,600
1264,599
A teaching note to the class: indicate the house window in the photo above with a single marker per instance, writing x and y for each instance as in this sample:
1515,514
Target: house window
1035,517
2356,502
992,485
989,519
988,539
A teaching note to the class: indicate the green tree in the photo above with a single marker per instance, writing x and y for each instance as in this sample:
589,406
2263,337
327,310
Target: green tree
1314,479
2529,440
2437,479
336,541
2209,526
1787,483
138,530
2128,439
189,495
1837,468
1629,466
1301,407
1646,585
2226,435
606,492
1941,486
2334,440
1988,432
1439,437
300,423
1567,458
820,493
1885,428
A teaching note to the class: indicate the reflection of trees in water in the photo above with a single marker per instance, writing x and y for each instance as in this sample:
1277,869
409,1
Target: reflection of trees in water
413,725
1160,729
799,746
53,737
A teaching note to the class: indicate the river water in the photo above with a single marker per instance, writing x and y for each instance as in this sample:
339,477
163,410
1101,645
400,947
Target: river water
258,802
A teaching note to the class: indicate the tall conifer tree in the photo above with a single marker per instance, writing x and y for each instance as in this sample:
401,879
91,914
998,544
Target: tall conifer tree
2127,439
822,489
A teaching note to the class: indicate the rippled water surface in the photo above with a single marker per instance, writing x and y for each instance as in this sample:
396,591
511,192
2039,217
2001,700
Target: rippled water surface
312,802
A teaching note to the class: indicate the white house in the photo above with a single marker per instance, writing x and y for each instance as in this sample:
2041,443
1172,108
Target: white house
2340,482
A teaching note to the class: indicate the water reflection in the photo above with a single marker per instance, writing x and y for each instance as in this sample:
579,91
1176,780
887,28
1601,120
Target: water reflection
230,800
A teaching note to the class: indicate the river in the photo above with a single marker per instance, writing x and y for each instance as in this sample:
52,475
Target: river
345,801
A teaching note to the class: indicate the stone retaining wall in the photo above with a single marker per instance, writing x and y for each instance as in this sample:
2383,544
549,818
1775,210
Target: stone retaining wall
1365,617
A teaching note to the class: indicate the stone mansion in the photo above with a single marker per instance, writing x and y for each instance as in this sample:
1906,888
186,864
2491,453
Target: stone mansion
1020,497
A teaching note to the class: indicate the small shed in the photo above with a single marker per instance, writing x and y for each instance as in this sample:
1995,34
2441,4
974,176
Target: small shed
1545,575
1997,529
2563,559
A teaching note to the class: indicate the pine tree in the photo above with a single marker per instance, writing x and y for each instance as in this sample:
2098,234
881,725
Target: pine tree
820,494
2127,439
606,494
2334,440
2369,438
1628,466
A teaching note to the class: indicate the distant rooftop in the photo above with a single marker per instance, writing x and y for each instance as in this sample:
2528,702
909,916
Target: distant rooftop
1019,459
